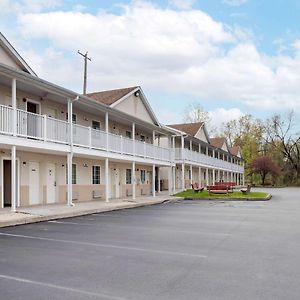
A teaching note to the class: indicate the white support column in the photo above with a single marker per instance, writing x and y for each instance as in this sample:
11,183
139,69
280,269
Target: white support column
106,129
14,104
170,180
231,176
199,148
174,178
207,176
70,155
69,176
243,178
182,177
219,175
206,151
13,179
133,180
153,180
158,181
191,172
133,137
199,177
107,187
191,145
214,176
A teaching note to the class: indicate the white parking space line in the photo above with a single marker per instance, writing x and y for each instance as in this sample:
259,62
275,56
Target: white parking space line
59,287
141,227
104,245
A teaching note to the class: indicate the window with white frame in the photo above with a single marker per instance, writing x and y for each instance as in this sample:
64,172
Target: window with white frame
143,176
128,176
96,174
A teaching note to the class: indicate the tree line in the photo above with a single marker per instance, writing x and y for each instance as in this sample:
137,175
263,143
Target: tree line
270,148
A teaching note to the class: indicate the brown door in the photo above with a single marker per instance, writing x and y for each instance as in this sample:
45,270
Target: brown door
7,182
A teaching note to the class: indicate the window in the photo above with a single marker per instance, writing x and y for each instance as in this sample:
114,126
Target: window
74,118
74,174
142,138
96,174
128,134
128,176
96,125
143,176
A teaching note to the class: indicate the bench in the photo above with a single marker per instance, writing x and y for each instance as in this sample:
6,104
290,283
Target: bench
196,188
218,189
246,190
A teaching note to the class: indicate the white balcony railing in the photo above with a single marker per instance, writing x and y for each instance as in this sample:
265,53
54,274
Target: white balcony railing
42,127
208,161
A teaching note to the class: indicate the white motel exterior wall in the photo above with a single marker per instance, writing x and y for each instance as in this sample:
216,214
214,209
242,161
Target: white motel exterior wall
38,149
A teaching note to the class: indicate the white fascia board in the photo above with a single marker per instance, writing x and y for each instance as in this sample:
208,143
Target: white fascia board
36,81
145,101
14,53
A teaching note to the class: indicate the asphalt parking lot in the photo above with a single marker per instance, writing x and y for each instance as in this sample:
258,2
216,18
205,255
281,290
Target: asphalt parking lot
185,250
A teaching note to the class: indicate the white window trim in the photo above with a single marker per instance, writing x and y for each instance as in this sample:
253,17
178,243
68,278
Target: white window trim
35,102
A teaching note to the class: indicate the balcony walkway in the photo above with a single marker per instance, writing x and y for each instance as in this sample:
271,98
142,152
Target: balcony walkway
33,214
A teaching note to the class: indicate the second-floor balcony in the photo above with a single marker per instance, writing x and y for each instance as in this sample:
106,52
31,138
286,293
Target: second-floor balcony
206,161
47,129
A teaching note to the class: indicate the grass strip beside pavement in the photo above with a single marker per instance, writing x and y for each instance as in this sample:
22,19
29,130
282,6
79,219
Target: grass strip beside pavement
190,194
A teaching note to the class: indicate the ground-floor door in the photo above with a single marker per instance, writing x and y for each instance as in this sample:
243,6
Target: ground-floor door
51,183
114,183
34,183
6,183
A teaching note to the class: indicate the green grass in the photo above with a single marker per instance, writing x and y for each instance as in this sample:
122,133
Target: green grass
234,195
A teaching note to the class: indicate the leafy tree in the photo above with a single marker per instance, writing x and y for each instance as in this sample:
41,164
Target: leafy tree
264,165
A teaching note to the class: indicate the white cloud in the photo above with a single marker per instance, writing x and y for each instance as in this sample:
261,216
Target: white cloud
25,6
235,2
163,49
182,4
219,116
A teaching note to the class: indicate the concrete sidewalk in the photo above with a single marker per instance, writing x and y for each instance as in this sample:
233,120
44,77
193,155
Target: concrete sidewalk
25,215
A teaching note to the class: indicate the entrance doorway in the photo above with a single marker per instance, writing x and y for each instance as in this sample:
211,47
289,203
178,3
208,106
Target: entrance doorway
51,183
115,183
33,122
7,183
34,183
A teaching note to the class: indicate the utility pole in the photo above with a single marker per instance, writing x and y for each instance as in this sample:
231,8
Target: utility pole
86,58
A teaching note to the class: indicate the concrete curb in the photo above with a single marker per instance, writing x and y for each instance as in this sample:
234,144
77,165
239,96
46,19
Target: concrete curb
30,218
269,196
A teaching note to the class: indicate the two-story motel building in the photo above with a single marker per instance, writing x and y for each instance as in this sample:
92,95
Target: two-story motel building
57,146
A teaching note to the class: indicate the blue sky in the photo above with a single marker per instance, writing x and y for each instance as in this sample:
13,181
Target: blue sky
232,56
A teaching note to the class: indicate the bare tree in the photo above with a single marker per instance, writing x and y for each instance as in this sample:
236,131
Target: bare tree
194,112
281,135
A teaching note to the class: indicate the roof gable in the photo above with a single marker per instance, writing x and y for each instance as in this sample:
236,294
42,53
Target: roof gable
236,151
9,56
189,128
221,143
111,96
130,100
